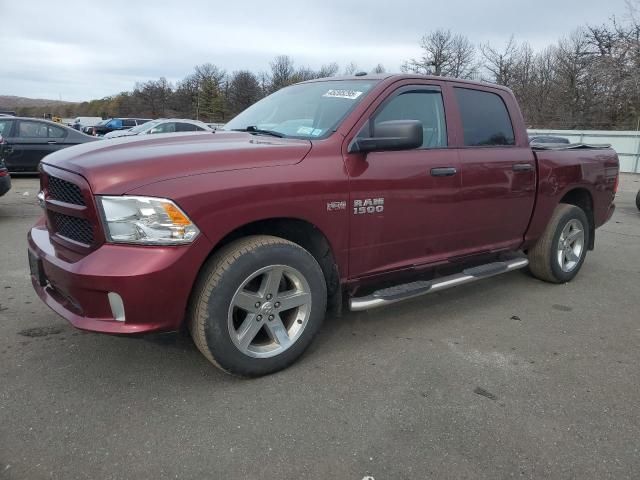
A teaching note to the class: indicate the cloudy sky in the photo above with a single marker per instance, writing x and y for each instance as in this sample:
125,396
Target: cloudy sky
91,49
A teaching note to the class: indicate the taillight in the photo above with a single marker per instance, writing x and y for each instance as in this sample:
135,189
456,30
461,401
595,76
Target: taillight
4,172
93,131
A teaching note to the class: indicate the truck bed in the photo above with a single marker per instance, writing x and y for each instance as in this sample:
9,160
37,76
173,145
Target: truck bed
573,169
570,146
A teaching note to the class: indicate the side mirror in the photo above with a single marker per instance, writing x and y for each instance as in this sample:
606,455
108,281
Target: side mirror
391,135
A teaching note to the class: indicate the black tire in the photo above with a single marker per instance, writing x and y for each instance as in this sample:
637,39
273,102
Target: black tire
638,200
543,257
222,276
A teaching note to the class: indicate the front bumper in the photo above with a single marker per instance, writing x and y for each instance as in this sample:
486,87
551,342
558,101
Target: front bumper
154,283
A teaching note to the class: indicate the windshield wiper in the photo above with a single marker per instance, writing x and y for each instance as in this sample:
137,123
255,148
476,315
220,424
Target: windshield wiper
259,131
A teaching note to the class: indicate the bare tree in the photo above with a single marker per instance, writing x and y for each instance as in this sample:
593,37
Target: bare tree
328,70
282,71
244,90
351,68
501,64
379,68
185,97
463,58
444,54
302,74
155,95
573,83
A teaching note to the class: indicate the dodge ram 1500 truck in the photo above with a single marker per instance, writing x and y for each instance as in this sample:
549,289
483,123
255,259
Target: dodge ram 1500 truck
359,191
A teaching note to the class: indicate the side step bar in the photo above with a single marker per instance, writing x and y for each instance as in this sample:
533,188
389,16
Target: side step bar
398,293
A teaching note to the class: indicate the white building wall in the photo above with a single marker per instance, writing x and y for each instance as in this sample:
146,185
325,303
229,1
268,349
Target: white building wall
625,143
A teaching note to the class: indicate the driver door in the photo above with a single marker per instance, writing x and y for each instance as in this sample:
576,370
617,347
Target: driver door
402,202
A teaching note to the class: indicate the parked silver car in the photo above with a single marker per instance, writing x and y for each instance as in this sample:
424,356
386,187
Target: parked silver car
162,125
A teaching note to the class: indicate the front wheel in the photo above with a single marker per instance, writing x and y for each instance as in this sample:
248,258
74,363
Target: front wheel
257,305
559,253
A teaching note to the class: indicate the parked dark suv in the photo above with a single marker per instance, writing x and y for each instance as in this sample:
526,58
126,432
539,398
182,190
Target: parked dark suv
112,124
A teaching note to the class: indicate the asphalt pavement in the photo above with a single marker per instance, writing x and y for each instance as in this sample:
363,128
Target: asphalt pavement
506,378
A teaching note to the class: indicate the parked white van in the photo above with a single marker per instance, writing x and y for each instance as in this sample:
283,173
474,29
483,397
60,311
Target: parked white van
80,122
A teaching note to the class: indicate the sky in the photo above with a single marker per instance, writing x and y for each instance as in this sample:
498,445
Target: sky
79,51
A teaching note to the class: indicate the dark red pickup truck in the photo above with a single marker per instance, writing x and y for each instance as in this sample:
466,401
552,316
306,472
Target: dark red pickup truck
307,201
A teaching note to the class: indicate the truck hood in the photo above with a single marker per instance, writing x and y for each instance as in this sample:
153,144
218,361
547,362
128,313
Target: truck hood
117,166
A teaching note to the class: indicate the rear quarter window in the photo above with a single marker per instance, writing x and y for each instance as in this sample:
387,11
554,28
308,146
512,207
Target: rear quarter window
56,132
485,119
187,127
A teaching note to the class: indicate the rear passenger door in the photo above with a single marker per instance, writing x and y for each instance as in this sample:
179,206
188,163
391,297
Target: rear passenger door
498,174
35,140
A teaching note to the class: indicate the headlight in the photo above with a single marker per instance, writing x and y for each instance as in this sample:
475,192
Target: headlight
145,220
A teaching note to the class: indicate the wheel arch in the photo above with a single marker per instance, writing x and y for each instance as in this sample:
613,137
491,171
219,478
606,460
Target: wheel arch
303,233
583,199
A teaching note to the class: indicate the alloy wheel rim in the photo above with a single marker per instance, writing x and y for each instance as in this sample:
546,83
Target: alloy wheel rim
570,245
269,311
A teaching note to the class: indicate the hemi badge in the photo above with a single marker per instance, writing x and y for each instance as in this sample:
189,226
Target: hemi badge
339,205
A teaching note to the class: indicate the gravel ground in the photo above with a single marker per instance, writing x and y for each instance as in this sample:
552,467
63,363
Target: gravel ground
509,377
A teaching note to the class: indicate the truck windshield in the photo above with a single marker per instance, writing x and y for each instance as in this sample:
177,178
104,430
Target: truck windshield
307,110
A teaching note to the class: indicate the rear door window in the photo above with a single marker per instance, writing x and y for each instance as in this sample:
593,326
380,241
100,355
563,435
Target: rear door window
485,119
29,129
167,127
128,123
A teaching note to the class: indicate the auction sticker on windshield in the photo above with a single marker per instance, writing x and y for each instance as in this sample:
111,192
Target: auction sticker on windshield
305,130
350,94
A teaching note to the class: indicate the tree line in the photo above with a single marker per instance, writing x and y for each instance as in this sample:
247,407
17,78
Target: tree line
209,93
589,79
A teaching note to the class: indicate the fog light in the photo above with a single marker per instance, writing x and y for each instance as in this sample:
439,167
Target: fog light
117,306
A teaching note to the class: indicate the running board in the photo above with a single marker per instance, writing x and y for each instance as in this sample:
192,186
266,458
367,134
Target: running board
398,293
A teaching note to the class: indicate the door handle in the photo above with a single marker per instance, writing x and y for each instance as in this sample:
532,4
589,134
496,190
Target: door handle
522,167
52,142
443,171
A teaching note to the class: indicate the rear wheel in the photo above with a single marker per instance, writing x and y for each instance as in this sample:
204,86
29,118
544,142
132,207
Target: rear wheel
257,305
560,252
638,200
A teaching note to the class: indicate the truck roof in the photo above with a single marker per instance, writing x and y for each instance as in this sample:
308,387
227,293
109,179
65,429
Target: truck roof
393,77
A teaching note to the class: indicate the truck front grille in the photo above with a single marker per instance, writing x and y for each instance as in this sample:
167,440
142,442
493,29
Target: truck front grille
72,228
64,191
